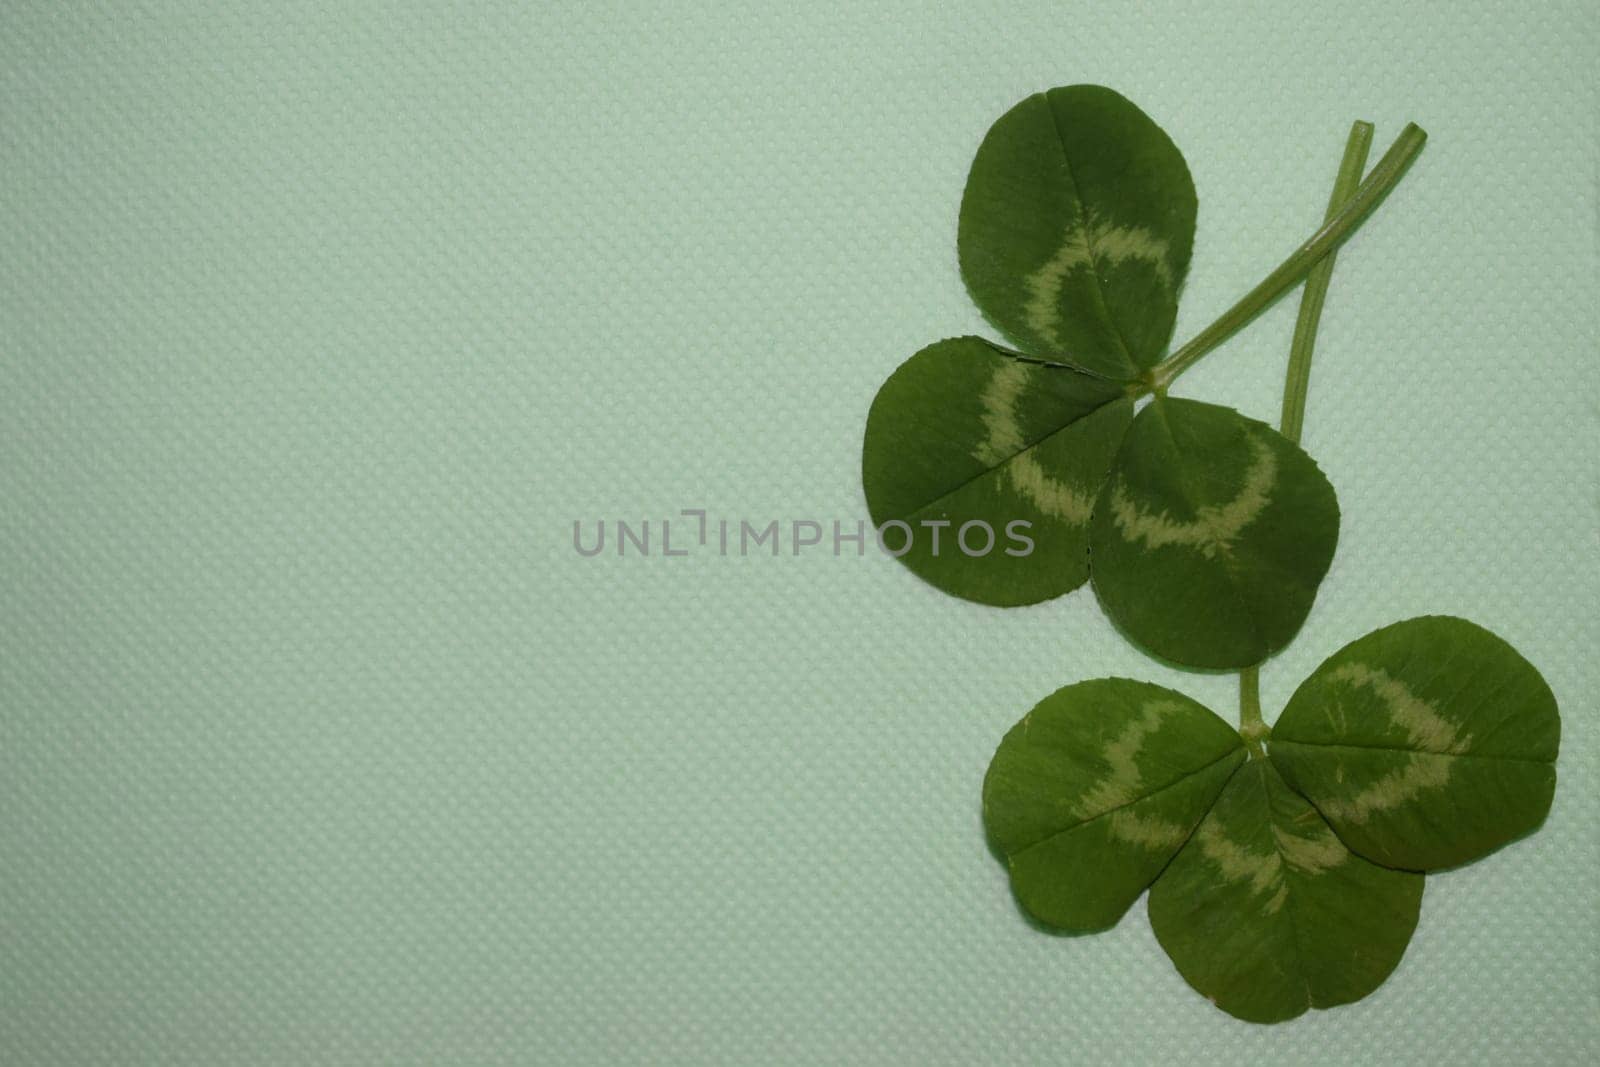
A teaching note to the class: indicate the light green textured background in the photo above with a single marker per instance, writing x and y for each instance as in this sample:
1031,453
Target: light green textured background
320,323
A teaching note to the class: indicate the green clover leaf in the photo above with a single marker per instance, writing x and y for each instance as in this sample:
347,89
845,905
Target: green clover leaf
1076,230
1211,535
1425,744
1289,880
1266,913
1096,788
1284,865
1012,440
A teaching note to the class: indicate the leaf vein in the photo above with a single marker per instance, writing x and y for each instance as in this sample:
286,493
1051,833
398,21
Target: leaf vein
1046,839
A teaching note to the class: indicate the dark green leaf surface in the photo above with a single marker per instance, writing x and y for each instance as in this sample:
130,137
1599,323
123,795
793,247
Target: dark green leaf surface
1095,789
1076,228
963,433
1211,535
1425,744
1267,914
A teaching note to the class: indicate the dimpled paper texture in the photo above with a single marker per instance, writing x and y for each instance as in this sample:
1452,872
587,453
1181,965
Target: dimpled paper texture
319,326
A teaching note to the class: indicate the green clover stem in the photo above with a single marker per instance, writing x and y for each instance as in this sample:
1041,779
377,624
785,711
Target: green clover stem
1346,186
1298,378
1335,231
1251,727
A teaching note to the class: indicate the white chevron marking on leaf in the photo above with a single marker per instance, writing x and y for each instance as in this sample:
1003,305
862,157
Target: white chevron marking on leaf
1003,444
1148,831
1052,496
999,400
1428,730
1423,770
1121,785
1435,735
1098,245
1215,526
1263,870
1313,854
